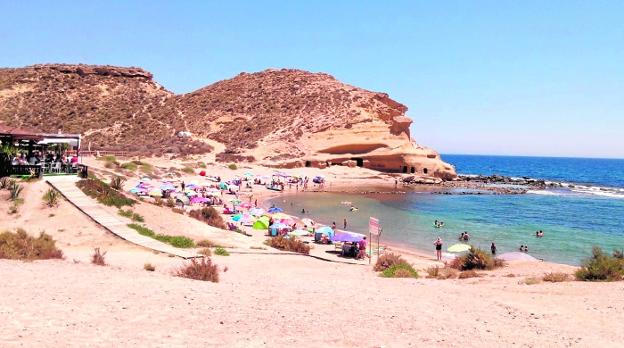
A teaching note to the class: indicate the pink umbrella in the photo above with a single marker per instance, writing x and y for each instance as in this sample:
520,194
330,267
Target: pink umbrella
245,205
199,200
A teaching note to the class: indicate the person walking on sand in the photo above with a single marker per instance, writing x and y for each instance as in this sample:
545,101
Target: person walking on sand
438,247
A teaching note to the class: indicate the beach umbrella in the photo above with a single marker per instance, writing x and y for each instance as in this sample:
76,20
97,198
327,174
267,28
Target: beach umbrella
288,221
298,233
190,193
245,205
235,201
346,236
280,216
326,230
261,224
274,210
458,248
248,174
237,217
516,256
256,211
182,198
246,220
223,186
199,200
232,187
155,193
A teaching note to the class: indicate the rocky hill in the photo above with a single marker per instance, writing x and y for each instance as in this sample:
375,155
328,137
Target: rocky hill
280,117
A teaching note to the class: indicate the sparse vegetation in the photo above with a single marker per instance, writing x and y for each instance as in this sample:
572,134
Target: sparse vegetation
210,216
441,272
21,246
98,257
556,277
232,166
131,166
200,270
188,170
101,191
530,281
201,164
221,252
146,168
205,252
117,183
400,270
601,267
170,202
149,267
4,183
51,197
107,158
468,274
15,189
288,244
476,259
131,215
387,260
206,243
176,241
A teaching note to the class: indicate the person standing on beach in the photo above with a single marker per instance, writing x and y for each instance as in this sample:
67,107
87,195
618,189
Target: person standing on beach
344,223
438,247
493,248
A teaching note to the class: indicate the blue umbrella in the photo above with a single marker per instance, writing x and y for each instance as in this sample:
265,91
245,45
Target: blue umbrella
325,230
274,210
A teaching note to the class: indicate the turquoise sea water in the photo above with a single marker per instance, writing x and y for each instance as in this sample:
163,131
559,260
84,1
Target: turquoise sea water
573,219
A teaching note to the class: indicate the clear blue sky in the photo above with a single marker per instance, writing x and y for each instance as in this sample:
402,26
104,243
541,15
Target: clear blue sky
486,77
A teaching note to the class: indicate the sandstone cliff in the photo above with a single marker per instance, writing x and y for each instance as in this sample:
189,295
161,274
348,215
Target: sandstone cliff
280,117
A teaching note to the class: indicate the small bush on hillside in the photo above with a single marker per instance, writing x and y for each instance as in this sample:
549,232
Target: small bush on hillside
158,202
476,259
556,277
15,189
101,191
200,270
221,252
149,267
530,281
400,270
170,202
21,246
468,274
51,197
288,244
131,166
601,267
201,164
188,170
98,257
131,215
146,168
205,243
176,241
232,166
387,260
117,183
205,252
210,216
107,158
441,272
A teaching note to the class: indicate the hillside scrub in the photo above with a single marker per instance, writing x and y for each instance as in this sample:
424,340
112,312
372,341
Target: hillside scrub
387,260
200,270
176,241
21,246
131,215
288,244
104,194
476,259
399,270
51,197
601,267
98,257
210,216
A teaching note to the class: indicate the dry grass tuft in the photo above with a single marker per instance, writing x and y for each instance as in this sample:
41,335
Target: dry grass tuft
530,281
149,267
441,272
468,274
476,259
203,270
205,252
288,244
98,258
556,277
210,216
388,260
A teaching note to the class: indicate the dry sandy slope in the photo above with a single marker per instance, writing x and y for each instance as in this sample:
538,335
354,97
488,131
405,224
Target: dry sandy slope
271,300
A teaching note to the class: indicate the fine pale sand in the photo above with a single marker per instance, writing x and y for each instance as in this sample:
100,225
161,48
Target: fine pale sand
268,298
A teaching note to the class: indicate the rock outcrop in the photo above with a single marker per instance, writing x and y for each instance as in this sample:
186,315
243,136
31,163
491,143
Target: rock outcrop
275,117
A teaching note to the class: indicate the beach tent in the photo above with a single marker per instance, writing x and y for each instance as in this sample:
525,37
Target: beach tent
274,210
183,199
199,200
223,186
155,193
346,236
277,227
261,224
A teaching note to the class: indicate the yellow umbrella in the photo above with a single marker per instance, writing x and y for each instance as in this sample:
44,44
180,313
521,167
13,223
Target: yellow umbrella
458,248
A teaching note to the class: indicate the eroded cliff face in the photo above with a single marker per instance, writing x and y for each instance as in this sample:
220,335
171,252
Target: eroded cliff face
280,117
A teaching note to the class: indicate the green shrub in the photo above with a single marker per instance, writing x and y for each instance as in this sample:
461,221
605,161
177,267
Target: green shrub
601,267
104,194
210,216
203,270
476,259
288,244
117,183
232,166
21,246
221,252
387,260
188,170
51,197
400,270
176,241
131,166
131,215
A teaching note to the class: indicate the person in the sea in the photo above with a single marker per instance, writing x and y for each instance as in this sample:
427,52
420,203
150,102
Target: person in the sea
526,248
302,210
344,223
493,248
436,223
466,237
521,247
461,236
438,247
334,225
